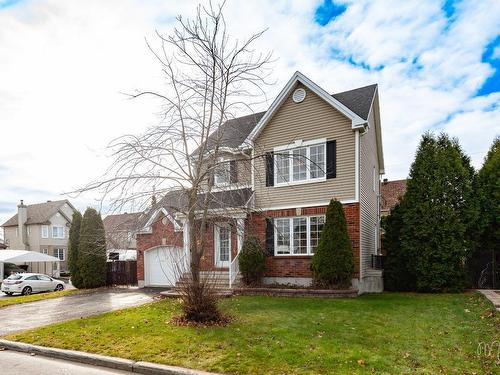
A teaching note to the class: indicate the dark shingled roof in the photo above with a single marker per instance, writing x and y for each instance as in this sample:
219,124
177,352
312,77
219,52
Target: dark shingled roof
39,213
390,194
358,100
175,201
122,222
234,132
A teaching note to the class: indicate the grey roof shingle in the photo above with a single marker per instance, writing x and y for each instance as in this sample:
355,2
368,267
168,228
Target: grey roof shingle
234,132
358,100
122,222
39,213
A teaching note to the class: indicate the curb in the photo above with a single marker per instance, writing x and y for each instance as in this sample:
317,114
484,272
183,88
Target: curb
146,368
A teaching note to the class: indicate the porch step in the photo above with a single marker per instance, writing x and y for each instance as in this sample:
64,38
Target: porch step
220,279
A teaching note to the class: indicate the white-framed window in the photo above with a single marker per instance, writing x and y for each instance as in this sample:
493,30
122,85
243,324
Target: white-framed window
297,235
45,231
17,231
45,251
57,231
306,163
59,253
222,173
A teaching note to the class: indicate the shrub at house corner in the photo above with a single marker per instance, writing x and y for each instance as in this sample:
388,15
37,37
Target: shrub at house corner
252,261
333,262
398,275
73,243
92,250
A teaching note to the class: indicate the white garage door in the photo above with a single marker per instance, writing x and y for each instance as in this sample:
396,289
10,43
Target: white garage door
162,266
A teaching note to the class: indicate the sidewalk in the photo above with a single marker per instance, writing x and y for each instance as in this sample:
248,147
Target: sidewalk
493,296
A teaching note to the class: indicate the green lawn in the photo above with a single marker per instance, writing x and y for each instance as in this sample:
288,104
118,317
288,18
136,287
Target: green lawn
14,300
390,333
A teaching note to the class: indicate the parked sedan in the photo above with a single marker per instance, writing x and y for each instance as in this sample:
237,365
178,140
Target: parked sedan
28,283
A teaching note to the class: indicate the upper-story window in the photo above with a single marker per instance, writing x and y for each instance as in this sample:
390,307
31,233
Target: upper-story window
300,164
222,173
225,172
45,231
57,231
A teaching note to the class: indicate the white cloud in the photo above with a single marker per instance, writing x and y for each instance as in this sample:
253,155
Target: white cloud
64,64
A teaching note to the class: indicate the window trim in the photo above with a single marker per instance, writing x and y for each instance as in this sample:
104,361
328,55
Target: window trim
58,226
56,250
45,231
289,149
290,234
227,165
45,251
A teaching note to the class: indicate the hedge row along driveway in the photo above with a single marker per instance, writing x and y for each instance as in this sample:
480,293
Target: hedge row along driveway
386,333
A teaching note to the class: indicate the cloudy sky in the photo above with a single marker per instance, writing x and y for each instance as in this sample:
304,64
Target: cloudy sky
65,64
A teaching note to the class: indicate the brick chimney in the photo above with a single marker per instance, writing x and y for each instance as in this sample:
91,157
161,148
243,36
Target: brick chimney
22,217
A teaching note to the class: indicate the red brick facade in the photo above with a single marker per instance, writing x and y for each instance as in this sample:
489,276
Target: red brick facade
300,266
277,266
163,234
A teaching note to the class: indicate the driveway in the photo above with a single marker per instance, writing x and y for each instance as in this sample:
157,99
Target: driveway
35,314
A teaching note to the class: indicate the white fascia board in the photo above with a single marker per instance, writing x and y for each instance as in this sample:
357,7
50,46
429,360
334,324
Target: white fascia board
356,121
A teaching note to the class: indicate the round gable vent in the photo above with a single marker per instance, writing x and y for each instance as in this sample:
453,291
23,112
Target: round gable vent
299,95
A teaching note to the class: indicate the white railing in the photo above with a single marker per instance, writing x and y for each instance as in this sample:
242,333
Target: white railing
234,270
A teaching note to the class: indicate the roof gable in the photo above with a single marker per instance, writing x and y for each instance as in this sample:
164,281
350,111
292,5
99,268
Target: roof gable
39,213
356,120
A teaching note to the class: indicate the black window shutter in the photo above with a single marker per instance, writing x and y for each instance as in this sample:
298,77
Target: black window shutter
269,169
331,159
269,237
233,174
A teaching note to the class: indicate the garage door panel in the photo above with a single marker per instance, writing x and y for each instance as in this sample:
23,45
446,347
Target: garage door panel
162,266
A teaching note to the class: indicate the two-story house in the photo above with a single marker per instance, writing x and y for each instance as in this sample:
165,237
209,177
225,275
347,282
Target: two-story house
276,175
41,227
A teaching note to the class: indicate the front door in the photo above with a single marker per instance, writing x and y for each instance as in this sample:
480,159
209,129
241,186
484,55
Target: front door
222,244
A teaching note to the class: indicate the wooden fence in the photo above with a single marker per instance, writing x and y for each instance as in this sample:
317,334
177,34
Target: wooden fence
121,272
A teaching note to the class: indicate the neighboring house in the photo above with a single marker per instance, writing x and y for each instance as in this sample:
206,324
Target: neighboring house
278,173
41,227
121,230
390,194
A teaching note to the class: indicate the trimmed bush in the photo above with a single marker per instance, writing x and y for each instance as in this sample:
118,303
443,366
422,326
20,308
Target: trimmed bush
73,243
252,261
333,263
92,250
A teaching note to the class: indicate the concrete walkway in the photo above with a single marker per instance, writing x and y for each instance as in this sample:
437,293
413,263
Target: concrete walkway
40,313
493,296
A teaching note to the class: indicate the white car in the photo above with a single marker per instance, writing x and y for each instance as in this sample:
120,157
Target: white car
27,283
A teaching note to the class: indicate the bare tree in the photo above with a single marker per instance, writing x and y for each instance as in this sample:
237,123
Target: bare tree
209,79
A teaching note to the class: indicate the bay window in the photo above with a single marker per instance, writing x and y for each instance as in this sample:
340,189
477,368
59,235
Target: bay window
297,235
300,164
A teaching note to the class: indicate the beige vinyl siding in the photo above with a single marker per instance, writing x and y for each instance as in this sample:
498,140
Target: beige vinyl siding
243,168
311,119
368,197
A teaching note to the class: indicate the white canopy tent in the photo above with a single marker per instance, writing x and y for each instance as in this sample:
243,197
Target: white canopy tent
25,256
